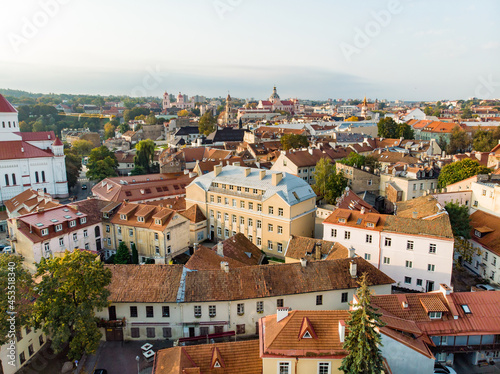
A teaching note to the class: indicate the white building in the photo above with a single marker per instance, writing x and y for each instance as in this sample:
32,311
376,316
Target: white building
415,247
29,159
181,102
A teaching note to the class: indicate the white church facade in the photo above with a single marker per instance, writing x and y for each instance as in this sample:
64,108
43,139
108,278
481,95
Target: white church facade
29,159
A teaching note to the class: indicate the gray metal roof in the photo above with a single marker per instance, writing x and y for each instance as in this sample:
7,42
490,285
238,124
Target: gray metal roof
289,188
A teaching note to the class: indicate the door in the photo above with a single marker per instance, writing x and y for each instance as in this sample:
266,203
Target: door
430,286
112,313
114,334
98,244
191,332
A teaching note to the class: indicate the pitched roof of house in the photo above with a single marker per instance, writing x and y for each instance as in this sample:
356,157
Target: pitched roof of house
423,206
27,200
284,338
349,200
205,258
38,136
16,149
302,247
308,157
194,214
394,157
489,239
149,215
240,248
5,106
234,357
143,283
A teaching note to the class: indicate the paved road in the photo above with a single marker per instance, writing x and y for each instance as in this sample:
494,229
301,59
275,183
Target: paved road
77,190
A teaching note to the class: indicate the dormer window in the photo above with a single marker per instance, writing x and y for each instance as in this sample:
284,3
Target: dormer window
72,223
341,220
123,217
307,335
370,224
435,315
140,219
83,220
105,215
59,227
45,232
157,221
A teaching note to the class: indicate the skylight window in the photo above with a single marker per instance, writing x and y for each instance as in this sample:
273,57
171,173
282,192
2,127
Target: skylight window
295,195
358,222
54,220
79,214
67,217
65,210
39,224
466,309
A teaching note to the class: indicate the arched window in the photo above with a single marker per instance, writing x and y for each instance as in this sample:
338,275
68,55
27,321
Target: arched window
3,124
45,190
37,180
14,179
9,123
43,176
6,179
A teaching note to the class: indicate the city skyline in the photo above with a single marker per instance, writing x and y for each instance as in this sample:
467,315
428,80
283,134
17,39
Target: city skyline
381,49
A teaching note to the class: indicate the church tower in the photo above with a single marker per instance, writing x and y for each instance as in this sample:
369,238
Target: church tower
166,101
9,123
228,115
364,108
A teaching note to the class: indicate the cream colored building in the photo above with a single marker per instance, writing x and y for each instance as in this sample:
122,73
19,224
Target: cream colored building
266,206
17,352
173,302
158,233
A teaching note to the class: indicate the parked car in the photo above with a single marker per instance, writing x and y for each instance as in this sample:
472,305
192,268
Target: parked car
7,249
442,369
486,287
84,186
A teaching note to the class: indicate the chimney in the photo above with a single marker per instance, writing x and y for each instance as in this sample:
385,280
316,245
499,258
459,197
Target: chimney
415,215
220,249
22,149
303,262
217,169
277,177
247,172
195,247
282,313
186,171
224,266
445,289
317,251
352,253
341,330
262,174
353,269
362,211
311,151
237,163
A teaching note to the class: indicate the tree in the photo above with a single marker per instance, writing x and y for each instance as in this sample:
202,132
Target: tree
207,123
130,114
459,219
460,170
465,251
442,142
183,113
135,254
145,154
72,289
404,131
16,298
109,130
82,147
101,164
372,163
122,254
466,113
73,167
460,141
363,340
293,141
352,119
138,170
484,141
387,128
354,159
124,127
328,183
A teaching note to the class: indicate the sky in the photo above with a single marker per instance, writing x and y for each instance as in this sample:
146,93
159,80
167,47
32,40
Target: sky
315,49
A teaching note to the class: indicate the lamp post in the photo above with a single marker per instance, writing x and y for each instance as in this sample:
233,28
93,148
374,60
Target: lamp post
137,358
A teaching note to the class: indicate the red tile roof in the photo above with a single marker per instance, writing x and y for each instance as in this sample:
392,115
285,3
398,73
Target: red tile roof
12,150
490,240
5,106
37,136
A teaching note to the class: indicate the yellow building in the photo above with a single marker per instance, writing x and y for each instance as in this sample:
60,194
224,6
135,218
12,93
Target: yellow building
266,206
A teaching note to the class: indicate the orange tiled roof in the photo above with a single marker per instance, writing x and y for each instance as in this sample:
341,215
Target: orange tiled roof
490,240
302,247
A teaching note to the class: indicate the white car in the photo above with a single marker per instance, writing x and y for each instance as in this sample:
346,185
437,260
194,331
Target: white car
441,369
7,249
486,287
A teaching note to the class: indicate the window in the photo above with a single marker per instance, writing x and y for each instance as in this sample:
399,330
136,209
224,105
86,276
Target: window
140,219
157,250
149,312
279,303
388,242
421,186
494,261
242,220
409,245
130,232
250,222
415,187
165,311
334,233
280,212
368,238
484,192
40,340
75,237
150,332
280,248
250,206
226,201
197,311
226,233
492,276
319,299
219,231
259,241
85,234
284,368
347,235
368,256
323,368
83,220
407,280
240,308
435,315
259,224
226,217
58,227
387,260
271,210
107,228
409,264
242,204
485,256
259,207
344,297
22,358
240,329
119,229
432,248
431,267
204,330
280,229
167,332
250,237
212,311
7,180
61,242
133,311
270,245
233,218
260,307
269,227
211,198
134,332
219,199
